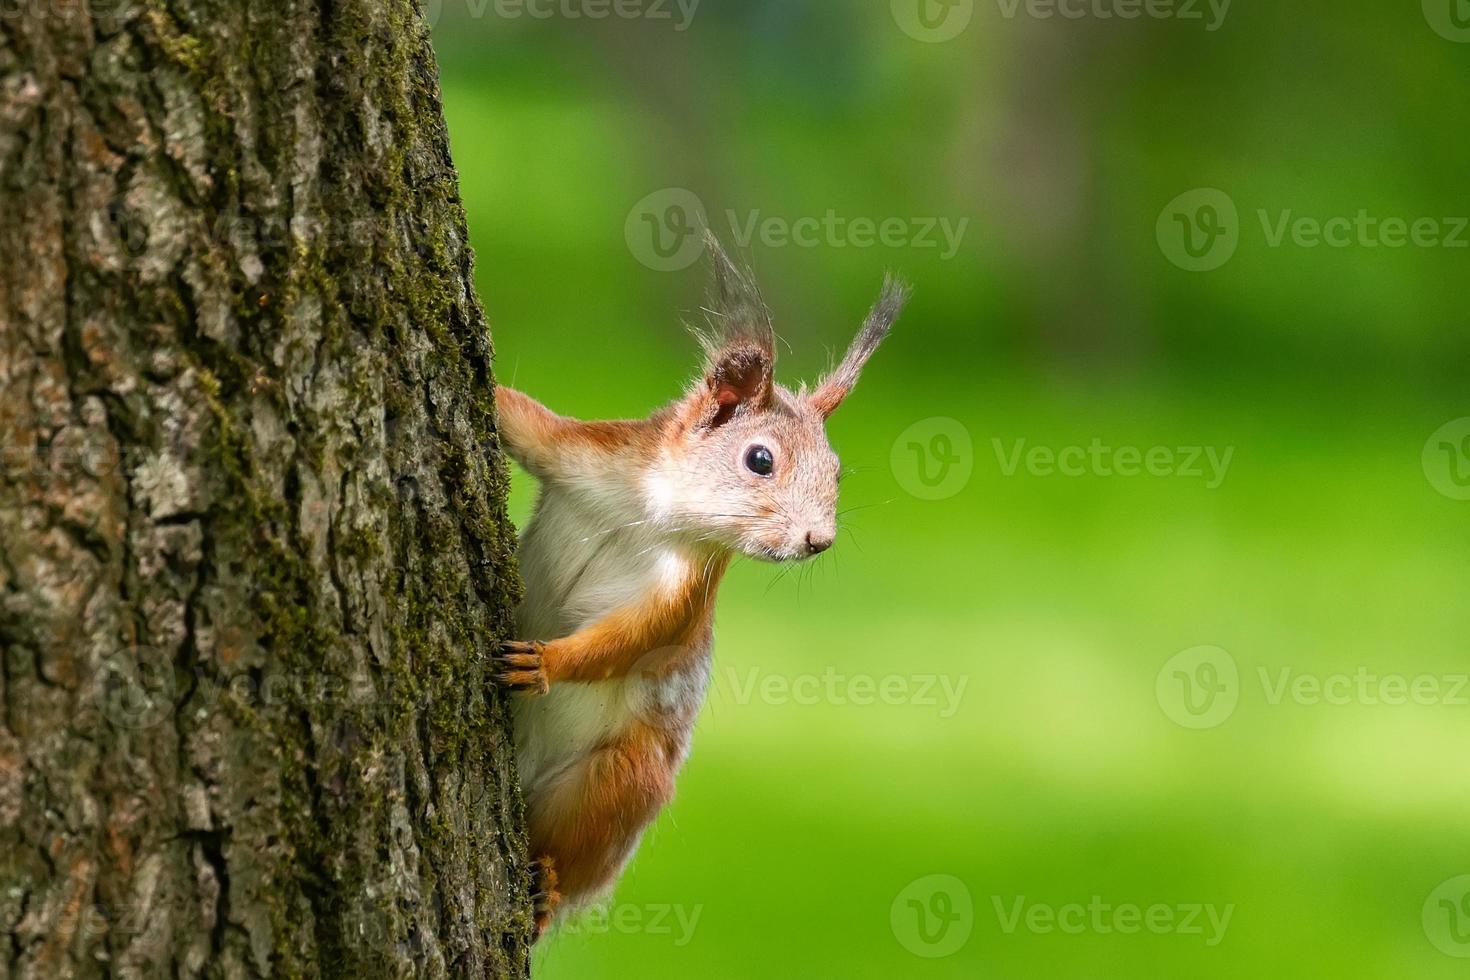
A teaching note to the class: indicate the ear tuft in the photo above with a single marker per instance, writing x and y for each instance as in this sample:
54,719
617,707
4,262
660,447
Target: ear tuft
738,339
841,379
734,312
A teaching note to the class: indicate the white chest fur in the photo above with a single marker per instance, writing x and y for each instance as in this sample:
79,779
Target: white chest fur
578,565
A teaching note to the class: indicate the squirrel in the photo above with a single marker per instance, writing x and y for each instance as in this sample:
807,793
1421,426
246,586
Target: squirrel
633,528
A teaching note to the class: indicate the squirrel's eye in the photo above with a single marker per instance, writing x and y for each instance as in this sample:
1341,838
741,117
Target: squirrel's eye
758,460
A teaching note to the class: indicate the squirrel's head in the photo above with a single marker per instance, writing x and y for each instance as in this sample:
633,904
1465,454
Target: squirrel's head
745,462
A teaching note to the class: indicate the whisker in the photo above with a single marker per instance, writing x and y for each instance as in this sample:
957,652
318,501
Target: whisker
707,581
785,571
610,530
859,507
855,542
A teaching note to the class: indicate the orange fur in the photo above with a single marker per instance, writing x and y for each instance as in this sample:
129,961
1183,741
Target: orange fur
589,820
652,509
553,446
611,646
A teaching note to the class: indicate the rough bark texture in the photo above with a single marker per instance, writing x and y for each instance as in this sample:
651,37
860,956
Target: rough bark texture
253,545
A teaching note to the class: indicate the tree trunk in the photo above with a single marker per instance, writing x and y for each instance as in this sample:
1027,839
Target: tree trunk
253,542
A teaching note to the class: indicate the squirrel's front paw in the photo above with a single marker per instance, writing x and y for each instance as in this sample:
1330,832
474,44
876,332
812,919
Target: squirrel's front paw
519,666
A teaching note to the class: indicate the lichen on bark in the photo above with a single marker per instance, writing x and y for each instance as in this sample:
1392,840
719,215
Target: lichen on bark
253,542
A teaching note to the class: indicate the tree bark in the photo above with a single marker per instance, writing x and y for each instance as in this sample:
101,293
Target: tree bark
253,541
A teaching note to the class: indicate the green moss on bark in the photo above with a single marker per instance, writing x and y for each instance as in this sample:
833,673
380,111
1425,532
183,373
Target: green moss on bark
290,346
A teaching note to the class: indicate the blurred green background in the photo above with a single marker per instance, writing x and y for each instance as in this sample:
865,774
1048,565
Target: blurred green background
1051,770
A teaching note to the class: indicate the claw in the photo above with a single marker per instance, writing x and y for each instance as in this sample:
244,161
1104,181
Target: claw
544,895
519,666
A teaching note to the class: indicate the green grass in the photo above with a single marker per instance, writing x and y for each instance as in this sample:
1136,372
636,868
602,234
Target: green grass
1055,601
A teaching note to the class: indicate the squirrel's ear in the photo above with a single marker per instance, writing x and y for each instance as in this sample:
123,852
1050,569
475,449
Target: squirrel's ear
738,340
738,377
841,379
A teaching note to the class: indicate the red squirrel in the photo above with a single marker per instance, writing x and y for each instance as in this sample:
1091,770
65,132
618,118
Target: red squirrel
634,526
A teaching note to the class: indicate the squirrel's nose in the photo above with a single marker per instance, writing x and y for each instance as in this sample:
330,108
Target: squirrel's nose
817,543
